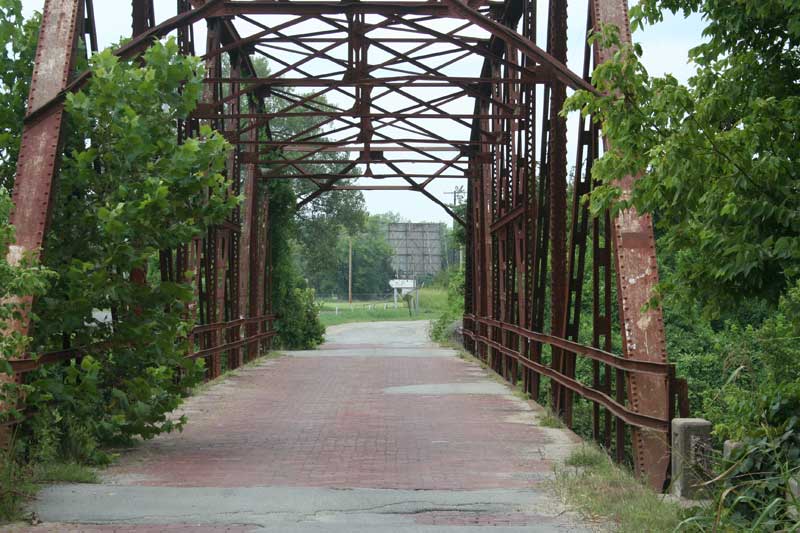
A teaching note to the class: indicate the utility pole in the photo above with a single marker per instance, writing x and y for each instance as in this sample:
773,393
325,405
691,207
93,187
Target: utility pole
350,274
457,193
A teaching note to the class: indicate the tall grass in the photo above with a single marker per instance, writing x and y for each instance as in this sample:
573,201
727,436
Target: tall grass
20,481
15,487
603,491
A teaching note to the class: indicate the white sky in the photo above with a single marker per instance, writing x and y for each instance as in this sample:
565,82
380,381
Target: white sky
665,50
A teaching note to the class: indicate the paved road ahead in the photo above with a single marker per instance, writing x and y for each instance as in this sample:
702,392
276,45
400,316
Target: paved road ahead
377,431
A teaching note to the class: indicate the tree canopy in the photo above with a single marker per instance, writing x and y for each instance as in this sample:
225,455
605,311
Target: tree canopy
718,156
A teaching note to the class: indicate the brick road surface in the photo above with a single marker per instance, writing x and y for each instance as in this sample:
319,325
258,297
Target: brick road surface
379,430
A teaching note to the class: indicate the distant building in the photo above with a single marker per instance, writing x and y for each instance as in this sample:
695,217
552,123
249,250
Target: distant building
418,249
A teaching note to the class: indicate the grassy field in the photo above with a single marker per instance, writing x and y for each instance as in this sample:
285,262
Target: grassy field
432,302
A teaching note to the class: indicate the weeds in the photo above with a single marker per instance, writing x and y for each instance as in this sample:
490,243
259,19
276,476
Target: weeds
550,420
599,489
19,482
15,488
63,473
585,457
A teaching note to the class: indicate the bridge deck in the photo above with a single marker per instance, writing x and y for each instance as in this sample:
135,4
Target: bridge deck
420,439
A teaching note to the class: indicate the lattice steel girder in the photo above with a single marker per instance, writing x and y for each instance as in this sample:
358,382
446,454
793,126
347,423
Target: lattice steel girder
498,250
203,113
400,81
219,8
445,9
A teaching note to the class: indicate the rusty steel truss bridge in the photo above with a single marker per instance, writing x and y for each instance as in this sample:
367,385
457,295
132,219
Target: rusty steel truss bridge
411,92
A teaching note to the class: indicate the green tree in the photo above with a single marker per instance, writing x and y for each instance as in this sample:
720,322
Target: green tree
719,155
128,192
372,259
18,38
319,226
298,324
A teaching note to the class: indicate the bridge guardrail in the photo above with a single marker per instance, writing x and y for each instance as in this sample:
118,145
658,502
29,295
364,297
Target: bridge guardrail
200,336
599,394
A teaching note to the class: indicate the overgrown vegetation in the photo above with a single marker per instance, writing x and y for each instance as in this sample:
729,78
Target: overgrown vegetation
603,491
455,306
109,212
19,481
18,37
452,279
719,164
298,323
757,486
123,175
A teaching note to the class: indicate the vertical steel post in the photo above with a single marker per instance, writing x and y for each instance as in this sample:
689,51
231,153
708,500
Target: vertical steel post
557,168
579,228
40,149
143,16
248,258
485,229
530,217
214,296
264,261
637,275
234,311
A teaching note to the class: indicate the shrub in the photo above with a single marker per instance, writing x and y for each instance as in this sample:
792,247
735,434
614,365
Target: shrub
27,278
299,326
455,306
753,491
127,190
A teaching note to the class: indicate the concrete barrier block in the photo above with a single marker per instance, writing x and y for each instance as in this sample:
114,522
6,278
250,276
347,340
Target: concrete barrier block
691,448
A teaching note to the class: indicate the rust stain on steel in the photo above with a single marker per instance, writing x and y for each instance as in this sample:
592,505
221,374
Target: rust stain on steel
41,139
40,149
637,275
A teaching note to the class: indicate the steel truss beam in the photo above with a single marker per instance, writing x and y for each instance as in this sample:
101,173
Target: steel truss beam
386,81
522,251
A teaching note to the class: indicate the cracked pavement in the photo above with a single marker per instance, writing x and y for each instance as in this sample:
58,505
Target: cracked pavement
341,439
